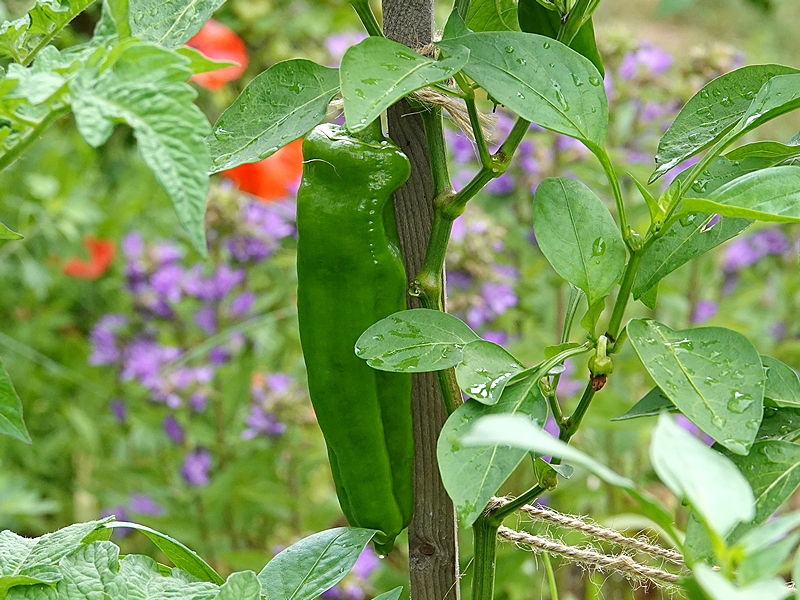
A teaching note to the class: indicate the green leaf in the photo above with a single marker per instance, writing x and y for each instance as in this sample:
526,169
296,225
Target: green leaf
578,235
11,421
780,424
493,15
240,586
314,564
199,62
92,572
23,38
390,595
377,72
281,104
40,591
771,194
653,404
484,370
8,234
146,88
778,96
783,386
719,588
766,562
710,482
113,21
169,23
711,113
771,150
415,341
455,26
181,556
712,374
535,18
773,470
769,533
144,581
473,474
540,79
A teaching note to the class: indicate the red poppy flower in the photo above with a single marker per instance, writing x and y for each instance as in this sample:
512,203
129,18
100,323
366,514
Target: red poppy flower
101,253
273,178
219,42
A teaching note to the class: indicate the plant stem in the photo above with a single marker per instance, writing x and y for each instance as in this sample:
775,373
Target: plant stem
611,174
27,141
501,513
434,133
551,576
617,314
367,17
570,425
484,532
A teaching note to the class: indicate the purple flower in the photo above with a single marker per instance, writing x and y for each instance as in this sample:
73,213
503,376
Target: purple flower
119,409
219,355
206,319
132,245
104,340
166,252
461,147
477,315
501,186
143,359
245,248
458,280
338,44
498,296
608,84
366,563
224,280
704,310
242,303
173,430
279,383
166,282
196,467
260,422
770,241
498,337
687,425
567,384
648,58
198,401
145,505
740,254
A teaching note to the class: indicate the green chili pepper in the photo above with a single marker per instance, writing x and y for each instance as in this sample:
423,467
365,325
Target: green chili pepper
350,275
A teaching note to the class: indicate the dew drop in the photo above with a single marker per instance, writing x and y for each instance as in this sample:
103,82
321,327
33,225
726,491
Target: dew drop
546,45
576,80
369,81
595,81
509,49
739,403
360,93
522,61
718,421
598,247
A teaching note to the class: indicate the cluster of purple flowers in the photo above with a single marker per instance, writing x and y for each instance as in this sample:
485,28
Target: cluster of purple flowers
352,586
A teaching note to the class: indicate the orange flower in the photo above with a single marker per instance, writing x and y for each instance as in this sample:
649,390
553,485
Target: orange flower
274,177
219,42
101,253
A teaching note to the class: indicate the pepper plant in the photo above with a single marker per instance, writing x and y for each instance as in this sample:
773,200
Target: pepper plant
538,59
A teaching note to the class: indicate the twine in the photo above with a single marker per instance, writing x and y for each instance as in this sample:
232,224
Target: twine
617,562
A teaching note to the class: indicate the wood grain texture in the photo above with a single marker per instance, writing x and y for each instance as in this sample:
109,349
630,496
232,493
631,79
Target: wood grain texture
433,547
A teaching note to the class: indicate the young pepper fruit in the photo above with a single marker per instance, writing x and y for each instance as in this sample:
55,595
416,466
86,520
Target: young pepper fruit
350,275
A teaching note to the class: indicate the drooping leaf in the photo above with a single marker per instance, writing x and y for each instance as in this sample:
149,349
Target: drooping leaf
539,79
653,404
535,18
181,556
11,421
314,564
377,72
484,370
779,424
710,482
473,474
147,89
712,374
578,235
8,234
169,23
280,105
415,341
711,113
493,15
719,588
782,388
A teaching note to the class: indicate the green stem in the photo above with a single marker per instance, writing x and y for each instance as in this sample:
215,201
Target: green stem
27,141
367,17
570,425
501,513
617,314
484,532
611,174
437,148
551,576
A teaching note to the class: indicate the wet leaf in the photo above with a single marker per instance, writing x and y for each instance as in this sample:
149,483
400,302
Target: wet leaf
484,370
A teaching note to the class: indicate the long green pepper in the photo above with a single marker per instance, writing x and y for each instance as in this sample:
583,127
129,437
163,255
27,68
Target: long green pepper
350,275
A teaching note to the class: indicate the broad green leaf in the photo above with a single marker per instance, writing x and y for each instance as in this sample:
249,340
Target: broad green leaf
723,170
783,386
280,105
484,370
780,424
377,72
712,374
40,591
473,474
147,89
23,38
25,560
11,421
711,113
539,79
199,62
535,18
314,564
773,470
455,26
518,431
766,562
114,20
415,341
390,595
772,150
243,585
92,572
653,404
181,556
578,235
493,15
710,482
169,23
769,533
771,194
8,234
779,95
145,581
719,588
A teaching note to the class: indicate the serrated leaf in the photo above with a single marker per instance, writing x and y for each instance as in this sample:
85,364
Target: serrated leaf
710,482
578,236
540,79
377,72
712,374
181,556
771,194
144,581
11,421
782,386
712,112
493,15
473,474
169,23
415,341
314,564
147,89
484,370
779,424
280,105
652,404
243,585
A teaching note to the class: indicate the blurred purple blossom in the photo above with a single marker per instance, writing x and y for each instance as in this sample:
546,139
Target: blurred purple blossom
462,148
279,383
196,467
145,505
684,422
245,248
745,251
501,186
568,384
143,359
105,350
704,310
498,296
242,303
173,430
260,422
647,58
215,287
458,280
338,44
121,514
132,245
498,337
198,401
119,409
219,355
206,319
166,282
